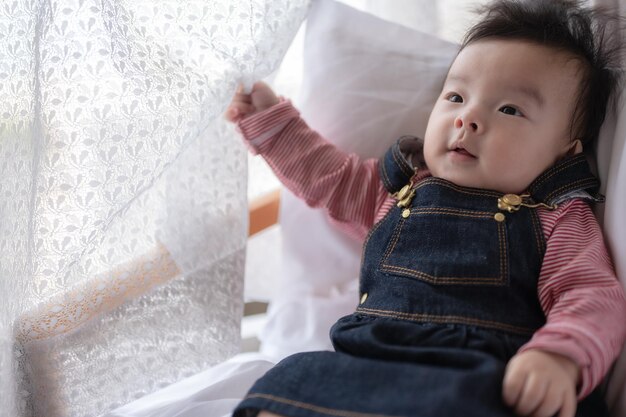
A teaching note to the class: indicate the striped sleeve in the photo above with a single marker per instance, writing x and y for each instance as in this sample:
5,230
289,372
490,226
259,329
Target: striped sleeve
316,170
583,301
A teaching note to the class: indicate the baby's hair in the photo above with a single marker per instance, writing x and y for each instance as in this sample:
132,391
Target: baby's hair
590,35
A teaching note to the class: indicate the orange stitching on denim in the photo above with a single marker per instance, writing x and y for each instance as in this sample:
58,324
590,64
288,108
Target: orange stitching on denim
400,162
440,280
316,408
500,248
501,280
385,175
450,211
534,224
394,155
549,174
394,239
430,318
568,187
372,230
571,186
505,253
464,190
542,178
538,232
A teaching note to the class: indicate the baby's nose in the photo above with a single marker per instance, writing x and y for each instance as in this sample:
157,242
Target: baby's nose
461,121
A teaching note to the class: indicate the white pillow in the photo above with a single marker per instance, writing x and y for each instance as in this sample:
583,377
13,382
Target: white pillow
366,82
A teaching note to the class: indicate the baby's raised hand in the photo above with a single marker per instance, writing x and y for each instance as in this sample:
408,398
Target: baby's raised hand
539,384
244,105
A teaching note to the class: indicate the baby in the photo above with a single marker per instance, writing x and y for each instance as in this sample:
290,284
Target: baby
486,288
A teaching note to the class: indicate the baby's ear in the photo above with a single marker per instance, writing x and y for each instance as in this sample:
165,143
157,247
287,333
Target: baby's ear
575,147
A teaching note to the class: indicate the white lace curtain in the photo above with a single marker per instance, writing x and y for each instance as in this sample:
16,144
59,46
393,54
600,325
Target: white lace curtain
122,193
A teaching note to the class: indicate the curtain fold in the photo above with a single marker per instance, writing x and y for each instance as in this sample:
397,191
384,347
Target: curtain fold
123,212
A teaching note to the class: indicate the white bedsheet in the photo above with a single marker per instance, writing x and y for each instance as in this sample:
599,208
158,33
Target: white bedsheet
212,393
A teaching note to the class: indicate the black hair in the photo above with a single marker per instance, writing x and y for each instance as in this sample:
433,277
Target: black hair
590,35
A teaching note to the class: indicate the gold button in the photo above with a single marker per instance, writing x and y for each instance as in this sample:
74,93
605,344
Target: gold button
512,199
404,192
406,213
499,217
363,297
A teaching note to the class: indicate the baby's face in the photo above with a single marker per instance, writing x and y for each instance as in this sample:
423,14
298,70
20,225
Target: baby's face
503,116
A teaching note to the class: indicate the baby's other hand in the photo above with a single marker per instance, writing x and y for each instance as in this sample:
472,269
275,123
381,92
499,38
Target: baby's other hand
539,384
243,105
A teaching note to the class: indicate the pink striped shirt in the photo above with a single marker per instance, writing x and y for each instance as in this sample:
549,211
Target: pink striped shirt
578,290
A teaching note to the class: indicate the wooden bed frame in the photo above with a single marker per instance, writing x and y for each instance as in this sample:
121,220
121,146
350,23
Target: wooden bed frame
263,212
68,311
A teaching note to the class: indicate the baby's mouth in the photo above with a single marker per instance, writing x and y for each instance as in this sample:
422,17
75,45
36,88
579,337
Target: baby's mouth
462,151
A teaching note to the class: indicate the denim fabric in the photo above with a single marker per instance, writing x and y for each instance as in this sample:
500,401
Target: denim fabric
570,177
450,261
394,169
448,295
440,370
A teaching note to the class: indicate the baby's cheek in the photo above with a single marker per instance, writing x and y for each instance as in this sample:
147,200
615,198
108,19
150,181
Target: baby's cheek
430,156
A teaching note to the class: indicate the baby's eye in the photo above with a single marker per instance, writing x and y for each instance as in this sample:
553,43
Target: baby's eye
511,111
454,98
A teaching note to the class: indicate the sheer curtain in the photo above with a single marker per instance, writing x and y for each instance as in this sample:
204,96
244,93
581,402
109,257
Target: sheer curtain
122,193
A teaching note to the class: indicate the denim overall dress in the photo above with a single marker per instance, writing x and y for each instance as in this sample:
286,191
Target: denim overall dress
448,295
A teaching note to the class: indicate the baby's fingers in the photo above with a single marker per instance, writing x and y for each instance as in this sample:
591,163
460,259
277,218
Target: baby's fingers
242,97
557,398
513,384
238,110
532,395
552,402
569,405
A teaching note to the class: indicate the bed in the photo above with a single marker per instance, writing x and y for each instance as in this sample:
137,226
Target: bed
353,52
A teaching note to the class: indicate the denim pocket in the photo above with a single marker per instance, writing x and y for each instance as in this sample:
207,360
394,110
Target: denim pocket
448,246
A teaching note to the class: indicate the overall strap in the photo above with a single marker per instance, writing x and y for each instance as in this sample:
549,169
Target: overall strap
398,165
571,177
